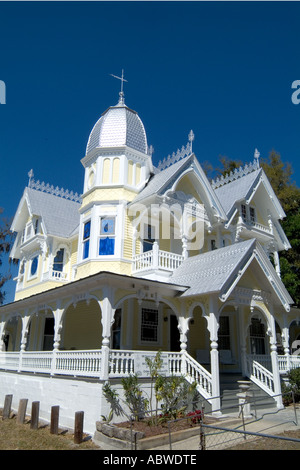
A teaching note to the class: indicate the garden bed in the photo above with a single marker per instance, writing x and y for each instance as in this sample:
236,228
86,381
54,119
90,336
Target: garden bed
144,434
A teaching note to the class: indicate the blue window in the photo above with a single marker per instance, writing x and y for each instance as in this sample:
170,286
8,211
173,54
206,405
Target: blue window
34,265
107,236
86,239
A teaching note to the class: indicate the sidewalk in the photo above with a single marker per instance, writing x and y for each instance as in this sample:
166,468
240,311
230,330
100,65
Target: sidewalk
266,423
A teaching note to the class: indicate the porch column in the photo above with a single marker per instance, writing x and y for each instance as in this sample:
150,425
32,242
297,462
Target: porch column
286,343
58,313
213,327
242,339
183,329
24,334
107,318
274,360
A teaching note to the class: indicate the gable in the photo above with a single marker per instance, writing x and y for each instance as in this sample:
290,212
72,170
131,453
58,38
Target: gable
220,271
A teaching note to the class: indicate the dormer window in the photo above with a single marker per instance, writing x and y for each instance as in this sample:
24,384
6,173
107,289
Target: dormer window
107,236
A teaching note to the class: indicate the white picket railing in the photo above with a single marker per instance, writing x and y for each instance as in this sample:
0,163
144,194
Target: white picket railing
260,375
195,372
53,275
157,259
288,362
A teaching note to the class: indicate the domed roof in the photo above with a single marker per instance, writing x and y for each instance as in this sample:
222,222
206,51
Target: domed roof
118,126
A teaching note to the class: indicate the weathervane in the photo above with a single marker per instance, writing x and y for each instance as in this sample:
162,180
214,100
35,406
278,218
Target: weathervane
121,101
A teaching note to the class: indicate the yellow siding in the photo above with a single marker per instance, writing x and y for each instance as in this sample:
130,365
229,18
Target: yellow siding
127,246
36,289
187,187
94,267
107,194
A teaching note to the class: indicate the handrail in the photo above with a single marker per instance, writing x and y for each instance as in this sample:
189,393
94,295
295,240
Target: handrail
261,376
196,372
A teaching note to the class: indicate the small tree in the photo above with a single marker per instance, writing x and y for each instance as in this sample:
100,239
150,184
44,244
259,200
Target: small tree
134,396
175,393
154,368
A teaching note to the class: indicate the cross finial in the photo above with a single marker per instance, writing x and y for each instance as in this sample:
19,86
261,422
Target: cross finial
121,100
191,138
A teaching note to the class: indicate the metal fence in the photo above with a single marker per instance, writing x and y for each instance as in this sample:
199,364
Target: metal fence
220,438
214,437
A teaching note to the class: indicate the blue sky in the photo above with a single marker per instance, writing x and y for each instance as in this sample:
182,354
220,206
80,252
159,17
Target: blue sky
223,69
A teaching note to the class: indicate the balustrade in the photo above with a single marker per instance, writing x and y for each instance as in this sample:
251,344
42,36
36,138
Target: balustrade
157,259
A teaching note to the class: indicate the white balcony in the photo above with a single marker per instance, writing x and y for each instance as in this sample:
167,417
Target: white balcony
157,262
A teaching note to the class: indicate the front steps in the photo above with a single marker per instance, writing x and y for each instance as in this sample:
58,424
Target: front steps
229,388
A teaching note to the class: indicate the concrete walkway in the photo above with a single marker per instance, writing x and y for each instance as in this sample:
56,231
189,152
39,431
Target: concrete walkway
265,423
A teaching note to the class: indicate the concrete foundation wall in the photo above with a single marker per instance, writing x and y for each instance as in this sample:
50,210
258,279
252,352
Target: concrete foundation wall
71,395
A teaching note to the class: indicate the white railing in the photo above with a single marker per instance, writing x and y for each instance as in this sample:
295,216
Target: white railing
121,363
143,261
9,360
258,226
78,363
260,375
288,362
36,361
157,259
169,261
197,373
75,363
53,275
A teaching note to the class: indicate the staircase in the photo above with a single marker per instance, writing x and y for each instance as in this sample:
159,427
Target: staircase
229,388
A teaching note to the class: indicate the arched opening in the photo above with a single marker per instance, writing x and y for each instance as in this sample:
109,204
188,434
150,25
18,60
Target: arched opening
198,337
13,333
82,328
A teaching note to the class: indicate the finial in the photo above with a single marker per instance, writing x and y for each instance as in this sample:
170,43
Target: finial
256,156
191,138
150,150
30,174
121,94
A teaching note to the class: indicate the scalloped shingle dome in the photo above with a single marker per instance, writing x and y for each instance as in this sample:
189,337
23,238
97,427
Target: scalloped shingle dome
118,126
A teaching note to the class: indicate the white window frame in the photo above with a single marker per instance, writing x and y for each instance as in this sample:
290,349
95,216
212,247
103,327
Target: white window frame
114,236
150,306
35,275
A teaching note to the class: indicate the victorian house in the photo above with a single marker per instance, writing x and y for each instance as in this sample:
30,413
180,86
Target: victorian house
146,259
